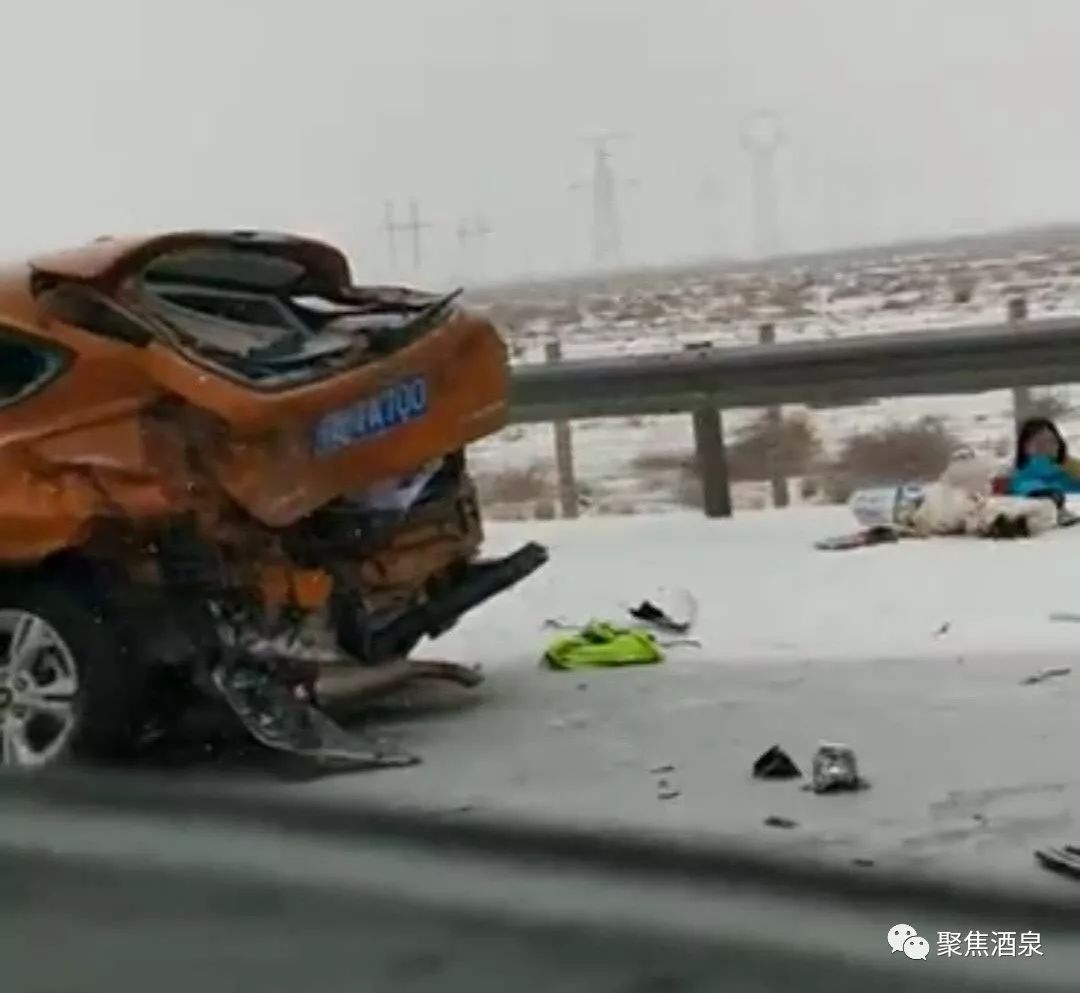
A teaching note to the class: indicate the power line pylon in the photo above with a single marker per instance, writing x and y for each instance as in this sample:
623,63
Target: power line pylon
762,137
471,233
606,220
414,227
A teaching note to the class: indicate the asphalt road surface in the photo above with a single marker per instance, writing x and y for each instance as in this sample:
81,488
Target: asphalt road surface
969,769
173,891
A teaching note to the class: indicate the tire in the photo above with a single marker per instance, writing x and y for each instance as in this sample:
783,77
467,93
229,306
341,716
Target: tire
69,687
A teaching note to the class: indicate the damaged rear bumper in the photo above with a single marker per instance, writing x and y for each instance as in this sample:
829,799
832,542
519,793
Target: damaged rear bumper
284,717
373,641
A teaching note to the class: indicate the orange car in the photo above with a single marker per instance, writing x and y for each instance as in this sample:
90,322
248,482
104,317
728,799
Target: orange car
223,469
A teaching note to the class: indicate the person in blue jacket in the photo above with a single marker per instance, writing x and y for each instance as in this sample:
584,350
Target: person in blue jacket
1043,467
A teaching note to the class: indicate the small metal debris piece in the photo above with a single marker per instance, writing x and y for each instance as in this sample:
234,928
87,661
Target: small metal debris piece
668,794
863,863
780,822
1039,677
649,613
1065,617
835,769
943,630
776,764
660,769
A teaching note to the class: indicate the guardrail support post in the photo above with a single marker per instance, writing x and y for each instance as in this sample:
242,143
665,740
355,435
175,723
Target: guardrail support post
1021,395
564,450
774,419
712,461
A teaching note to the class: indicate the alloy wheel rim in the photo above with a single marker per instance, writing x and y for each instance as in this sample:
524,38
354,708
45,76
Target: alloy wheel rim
39,686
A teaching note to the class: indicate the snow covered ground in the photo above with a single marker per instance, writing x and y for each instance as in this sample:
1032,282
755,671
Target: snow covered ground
915,654
767,595
667,311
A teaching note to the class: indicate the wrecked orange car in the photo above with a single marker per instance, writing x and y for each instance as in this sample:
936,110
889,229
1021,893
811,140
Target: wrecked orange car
225,469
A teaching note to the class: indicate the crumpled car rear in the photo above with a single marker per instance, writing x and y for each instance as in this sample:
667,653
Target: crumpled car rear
242,467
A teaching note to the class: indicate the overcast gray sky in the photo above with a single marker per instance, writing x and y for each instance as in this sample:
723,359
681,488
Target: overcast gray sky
905,117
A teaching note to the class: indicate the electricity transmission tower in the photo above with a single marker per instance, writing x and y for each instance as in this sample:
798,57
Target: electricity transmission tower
762,136
471,233
414,227
472,229
606,222
390,229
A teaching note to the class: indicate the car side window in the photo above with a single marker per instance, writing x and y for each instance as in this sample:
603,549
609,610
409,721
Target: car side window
24,367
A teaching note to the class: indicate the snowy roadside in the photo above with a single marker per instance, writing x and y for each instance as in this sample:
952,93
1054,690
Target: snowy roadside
766,595
916,654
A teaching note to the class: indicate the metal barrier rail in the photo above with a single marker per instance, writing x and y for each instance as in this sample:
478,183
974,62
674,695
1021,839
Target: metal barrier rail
1017,354
947,360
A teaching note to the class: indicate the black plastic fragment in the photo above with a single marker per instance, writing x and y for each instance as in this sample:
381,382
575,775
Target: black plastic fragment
649,613
776,764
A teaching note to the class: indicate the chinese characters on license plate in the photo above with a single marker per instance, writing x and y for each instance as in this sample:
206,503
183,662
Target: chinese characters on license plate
392,407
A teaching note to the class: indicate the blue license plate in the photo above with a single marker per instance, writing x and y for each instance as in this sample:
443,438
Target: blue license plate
402,403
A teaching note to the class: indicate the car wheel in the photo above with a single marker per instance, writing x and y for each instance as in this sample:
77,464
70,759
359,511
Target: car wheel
66,688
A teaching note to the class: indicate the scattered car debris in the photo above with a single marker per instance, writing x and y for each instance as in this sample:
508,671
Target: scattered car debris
864,863
672,610
278,719
649,613
776,764
780,822
1065,860
1045,674
943,630
835,770
1066,617
665,790
666,612
651,616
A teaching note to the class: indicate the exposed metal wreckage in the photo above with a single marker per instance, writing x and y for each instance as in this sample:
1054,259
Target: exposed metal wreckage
224,472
